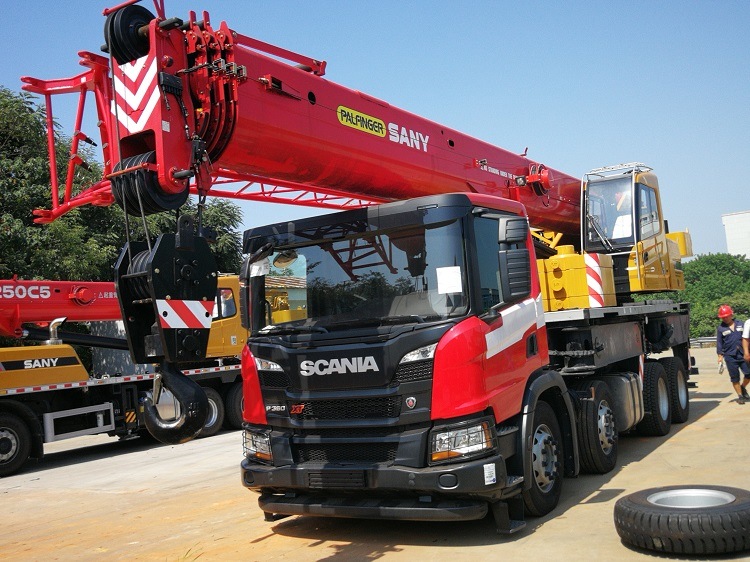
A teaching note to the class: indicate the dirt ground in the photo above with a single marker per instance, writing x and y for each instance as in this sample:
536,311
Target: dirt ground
97,498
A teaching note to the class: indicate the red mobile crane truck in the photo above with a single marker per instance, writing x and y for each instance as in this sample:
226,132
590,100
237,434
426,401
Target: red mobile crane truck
462,335
47,395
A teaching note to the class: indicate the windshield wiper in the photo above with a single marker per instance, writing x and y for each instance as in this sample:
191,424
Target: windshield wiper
598,229
406,318
281,329
363,322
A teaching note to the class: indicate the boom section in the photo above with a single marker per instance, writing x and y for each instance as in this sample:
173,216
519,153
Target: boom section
199,106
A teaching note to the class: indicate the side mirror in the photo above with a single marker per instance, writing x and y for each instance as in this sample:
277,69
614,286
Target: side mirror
515,274
512,230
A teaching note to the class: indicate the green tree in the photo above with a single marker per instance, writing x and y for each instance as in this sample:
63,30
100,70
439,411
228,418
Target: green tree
81,244
712,280
84,243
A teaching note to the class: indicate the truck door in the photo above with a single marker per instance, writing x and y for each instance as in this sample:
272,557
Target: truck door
653,257
225,338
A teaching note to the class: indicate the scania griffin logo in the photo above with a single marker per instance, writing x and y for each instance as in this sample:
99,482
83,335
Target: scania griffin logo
338,366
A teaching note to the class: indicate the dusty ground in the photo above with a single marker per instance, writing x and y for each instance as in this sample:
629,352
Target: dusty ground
96,498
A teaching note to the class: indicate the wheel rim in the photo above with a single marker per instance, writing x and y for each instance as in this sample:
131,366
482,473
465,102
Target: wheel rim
213,414
544,458
663,399
8,445
691,498
607,430
682,391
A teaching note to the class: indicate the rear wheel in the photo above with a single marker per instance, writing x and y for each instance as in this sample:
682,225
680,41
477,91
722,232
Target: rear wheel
597,435
546,462
678,388
657,420
233,405
215,417
15,443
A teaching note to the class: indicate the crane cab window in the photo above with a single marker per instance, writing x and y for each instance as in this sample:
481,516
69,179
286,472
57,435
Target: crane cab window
609,212
648,213
225,305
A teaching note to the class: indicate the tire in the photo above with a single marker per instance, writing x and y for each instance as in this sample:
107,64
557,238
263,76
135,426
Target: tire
234,403
215,417
546,460
657,420
15,443
597,429
685,519
678,388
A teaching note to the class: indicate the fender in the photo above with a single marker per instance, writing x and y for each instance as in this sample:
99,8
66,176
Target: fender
35,427
549,386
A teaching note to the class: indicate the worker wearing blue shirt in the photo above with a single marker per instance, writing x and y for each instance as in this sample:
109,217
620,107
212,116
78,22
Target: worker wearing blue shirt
729,348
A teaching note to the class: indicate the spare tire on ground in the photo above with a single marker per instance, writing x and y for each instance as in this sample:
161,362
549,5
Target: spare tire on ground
686,519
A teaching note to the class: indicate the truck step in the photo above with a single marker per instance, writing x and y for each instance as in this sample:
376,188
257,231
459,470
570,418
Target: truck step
508,515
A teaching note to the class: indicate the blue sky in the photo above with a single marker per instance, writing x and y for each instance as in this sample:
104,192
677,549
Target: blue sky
581,84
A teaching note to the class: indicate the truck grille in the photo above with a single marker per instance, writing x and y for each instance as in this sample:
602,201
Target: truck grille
355,409
273,379
411,372
336,479
345,452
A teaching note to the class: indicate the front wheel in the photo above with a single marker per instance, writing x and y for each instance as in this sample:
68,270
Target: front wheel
547,460
15,443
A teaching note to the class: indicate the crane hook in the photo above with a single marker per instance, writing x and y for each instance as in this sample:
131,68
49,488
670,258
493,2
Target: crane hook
193,407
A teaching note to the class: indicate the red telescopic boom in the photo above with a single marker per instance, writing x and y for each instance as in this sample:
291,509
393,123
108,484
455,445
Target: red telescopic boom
217,112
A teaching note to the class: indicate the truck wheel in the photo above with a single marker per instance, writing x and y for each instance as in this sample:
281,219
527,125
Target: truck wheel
657,419
233,405
15,443
546,462
685,519
597,429
215,417
678,388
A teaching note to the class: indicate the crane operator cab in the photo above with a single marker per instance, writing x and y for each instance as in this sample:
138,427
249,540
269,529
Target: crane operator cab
623,218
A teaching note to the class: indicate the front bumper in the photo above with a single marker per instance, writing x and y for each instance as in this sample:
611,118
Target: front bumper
439,493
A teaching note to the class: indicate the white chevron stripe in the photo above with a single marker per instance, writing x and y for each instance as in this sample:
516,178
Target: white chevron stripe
133,100
128,122
133,69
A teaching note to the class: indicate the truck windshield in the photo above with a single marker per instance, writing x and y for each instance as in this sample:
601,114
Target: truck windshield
363,276
609,211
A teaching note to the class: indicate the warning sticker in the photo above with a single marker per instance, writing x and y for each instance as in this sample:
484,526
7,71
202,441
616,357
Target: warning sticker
489,474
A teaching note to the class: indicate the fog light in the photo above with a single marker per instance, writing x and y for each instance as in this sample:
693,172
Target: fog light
257,446
451,443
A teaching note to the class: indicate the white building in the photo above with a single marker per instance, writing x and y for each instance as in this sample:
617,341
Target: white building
737,232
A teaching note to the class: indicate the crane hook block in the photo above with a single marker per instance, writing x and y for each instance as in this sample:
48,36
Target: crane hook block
193,408
167,295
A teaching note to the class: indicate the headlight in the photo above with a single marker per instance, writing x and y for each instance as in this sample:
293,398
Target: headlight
454,442
264,365
421,354
257,446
